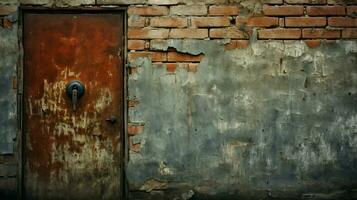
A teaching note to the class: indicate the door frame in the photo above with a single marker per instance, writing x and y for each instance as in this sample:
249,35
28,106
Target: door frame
21,139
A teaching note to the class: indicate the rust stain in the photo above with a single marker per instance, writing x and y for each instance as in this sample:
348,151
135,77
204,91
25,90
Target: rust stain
65,147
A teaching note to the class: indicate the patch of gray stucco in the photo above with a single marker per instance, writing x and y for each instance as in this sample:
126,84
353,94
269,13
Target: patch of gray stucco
277,116
9,56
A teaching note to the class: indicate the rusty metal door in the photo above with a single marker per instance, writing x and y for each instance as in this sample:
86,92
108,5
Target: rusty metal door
73,152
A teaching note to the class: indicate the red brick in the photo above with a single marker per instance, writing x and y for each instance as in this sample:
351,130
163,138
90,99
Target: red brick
210,21
349,33
133,70
189,33
6,10
325,10
237,44
171,67
188,10
305,21
263,21
147,33
283,10
134,147
313,43
183,57
133,103
342,22
6,23
135,21
305,1
136,44
223,10
164,2
134,129
192,67
154,55
148,10
279,34
227,33
168,22
321,33
352,10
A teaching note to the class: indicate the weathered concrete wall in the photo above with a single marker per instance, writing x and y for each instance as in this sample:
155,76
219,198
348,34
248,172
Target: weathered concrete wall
278,118
227,118
8,62
9,52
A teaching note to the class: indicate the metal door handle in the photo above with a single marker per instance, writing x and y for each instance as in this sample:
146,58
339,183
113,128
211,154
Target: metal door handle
75,90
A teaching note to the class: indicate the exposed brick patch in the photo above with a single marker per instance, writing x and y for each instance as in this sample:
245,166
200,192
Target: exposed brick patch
210,21
321,33
148,10
279,34
283,10
237,44
349,33
171,67
133,70
136,44
168,22
188,10
325,10
133,103
189,33
192,67
183,57
223,10
135,128
227,33
342,22
147,33
154,55
263,21
305,21
313,43
6,23
134,147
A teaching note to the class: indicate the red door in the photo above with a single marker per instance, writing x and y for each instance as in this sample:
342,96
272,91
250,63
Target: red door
73,133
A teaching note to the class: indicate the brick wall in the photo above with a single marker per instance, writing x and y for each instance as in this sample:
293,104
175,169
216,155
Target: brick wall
309,20
153,23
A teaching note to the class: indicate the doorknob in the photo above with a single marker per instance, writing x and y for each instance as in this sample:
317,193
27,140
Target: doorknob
75,90
112,119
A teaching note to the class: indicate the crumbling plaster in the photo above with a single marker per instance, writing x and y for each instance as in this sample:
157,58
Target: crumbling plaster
277,116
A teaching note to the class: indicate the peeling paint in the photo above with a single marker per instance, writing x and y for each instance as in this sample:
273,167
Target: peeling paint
275,117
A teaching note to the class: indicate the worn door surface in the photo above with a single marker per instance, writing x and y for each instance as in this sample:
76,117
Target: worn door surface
73,153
